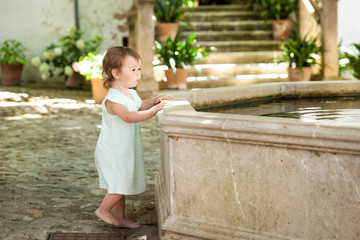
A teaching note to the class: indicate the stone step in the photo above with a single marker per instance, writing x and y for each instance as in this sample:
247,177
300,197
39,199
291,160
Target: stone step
230,70
233,81
217,8
221,16
229,36
226,26
243,46
241,57
212,82
216,71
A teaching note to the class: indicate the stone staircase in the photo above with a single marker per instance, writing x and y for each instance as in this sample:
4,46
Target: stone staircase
244,49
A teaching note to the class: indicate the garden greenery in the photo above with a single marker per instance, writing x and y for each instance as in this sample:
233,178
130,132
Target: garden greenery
169,11
177,54
58,57
277,9
354,61
300,52
12,52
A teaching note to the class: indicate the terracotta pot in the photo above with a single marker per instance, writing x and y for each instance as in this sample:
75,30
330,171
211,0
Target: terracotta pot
75,81
295,75
97,89
281,29
11,74
166,30
177,80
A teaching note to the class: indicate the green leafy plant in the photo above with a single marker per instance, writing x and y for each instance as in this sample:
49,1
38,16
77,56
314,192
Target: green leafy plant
300,52
343,60
252,2
169,11
354,61
90,66
190,3
277,9
59,56
177,54
12,52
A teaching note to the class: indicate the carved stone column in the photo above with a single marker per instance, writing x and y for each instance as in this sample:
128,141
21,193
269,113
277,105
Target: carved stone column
144,41
329,39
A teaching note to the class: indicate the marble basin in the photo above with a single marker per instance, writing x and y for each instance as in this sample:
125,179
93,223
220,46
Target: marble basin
228,176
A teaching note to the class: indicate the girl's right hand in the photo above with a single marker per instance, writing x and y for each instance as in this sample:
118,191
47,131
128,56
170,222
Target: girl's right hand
157,108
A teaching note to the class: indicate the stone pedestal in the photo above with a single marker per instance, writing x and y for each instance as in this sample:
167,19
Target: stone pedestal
248,177
144,42
326,32
330,39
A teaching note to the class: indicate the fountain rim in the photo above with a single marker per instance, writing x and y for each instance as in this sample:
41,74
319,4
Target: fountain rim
181,119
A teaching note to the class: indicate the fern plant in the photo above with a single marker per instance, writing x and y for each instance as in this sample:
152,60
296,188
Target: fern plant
169,11
12,52
300,52
277,9
354,61
177,54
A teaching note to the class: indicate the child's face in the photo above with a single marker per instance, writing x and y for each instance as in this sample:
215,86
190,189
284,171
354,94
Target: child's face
130,72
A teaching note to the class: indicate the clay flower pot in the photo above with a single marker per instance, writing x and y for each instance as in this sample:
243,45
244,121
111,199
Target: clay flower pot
75,81
176,80
166,30
295,75
97,89
281,29
11,74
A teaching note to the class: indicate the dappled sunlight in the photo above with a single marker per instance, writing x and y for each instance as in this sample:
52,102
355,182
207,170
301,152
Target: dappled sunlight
12,95
24,116
49,138
17,106
72,128
262,76
207,121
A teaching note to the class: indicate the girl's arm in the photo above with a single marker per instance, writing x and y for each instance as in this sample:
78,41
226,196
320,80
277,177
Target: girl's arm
148,103
135,116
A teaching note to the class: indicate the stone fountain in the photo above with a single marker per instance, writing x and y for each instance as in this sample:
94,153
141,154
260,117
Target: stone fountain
228,176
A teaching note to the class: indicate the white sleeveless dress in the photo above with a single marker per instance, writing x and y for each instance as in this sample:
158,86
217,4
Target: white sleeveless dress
118,153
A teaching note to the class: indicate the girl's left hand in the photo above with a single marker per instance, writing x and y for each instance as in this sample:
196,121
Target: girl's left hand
158,100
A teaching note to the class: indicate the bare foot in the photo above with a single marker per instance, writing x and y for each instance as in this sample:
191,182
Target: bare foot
107,217
128,224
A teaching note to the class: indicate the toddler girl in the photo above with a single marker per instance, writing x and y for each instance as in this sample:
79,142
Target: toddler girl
118,154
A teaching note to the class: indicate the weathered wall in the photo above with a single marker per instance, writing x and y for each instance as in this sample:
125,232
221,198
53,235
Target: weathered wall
41,22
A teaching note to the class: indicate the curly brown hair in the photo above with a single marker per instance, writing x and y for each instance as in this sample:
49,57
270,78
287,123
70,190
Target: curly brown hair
114,59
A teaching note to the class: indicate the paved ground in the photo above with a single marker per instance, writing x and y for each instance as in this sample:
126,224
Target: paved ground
48,180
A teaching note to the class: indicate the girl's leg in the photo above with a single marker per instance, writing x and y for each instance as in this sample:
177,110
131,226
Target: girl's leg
119,214
104,211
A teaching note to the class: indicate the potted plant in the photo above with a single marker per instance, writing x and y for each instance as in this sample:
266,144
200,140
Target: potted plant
353,62
301,54
12,60
168,13
176,54
90,67
255,5
278,12
59,57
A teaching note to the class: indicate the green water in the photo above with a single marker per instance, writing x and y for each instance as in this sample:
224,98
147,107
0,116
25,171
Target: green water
344,110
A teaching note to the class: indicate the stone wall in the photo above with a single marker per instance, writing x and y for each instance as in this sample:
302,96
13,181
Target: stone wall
39,23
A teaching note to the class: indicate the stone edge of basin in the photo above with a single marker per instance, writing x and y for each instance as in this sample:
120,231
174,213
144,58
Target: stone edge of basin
180,113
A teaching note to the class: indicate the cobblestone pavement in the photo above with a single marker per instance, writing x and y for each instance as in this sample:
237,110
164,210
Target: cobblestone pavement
48,180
